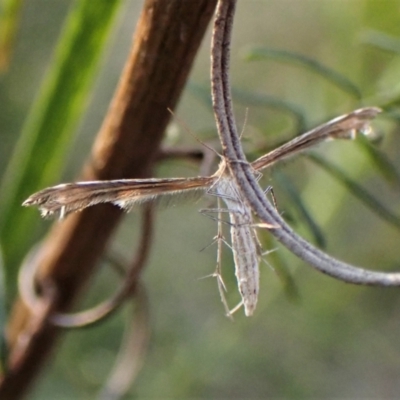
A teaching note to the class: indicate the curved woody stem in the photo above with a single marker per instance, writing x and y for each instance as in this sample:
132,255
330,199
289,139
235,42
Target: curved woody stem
243,174
34,302
126,146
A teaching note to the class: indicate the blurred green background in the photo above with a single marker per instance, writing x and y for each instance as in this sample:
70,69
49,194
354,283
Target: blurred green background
311,336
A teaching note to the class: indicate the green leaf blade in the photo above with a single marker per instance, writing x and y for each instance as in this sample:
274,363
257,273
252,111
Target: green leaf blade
50,126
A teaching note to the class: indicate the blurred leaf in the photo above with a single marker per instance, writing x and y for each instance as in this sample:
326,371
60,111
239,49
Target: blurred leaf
388,82
381,40
394,114
286,278
380,15
43,145
255,54
390,103
3,318
371,202
277,262
132,351
381,162
297,202
9,16
260,100
202,93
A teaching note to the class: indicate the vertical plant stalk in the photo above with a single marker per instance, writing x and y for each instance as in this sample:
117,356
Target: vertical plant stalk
243,173
167,38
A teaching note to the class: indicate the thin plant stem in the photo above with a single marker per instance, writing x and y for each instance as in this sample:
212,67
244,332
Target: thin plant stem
243,173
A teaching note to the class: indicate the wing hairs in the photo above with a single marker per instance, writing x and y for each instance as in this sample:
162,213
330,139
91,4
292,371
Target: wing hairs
63,199
66,198
343,127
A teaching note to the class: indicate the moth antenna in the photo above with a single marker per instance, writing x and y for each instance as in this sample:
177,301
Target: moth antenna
246,115
187,129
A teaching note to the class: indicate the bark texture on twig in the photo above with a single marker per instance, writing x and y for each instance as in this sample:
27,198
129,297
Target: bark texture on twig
167,38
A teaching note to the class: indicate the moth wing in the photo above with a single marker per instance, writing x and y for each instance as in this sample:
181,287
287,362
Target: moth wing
63,199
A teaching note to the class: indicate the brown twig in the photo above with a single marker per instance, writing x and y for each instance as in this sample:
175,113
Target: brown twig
167,38
33,301
243,173
205,156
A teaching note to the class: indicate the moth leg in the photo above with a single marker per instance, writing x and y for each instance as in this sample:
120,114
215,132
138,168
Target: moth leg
218,268
234,309
207,212
264,225
265,253
212,192
220,240
270,189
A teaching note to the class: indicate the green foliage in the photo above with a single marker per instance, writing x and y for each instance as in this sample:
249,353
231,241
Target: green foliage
44,141
336,340
301,208
257,54
9,18
370,201
3,318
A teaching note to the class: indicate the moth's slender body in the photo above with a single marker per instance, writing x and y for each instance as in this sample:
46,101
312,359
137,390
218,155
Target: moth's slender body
66,198
244,241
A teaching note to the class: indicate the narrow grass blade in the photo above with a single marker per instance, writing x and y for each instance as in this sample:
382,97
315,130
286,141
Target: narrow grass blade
277,262
297,203
381,41
370,201
43,145
329,74
248,98
384,166
10,11
3,318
